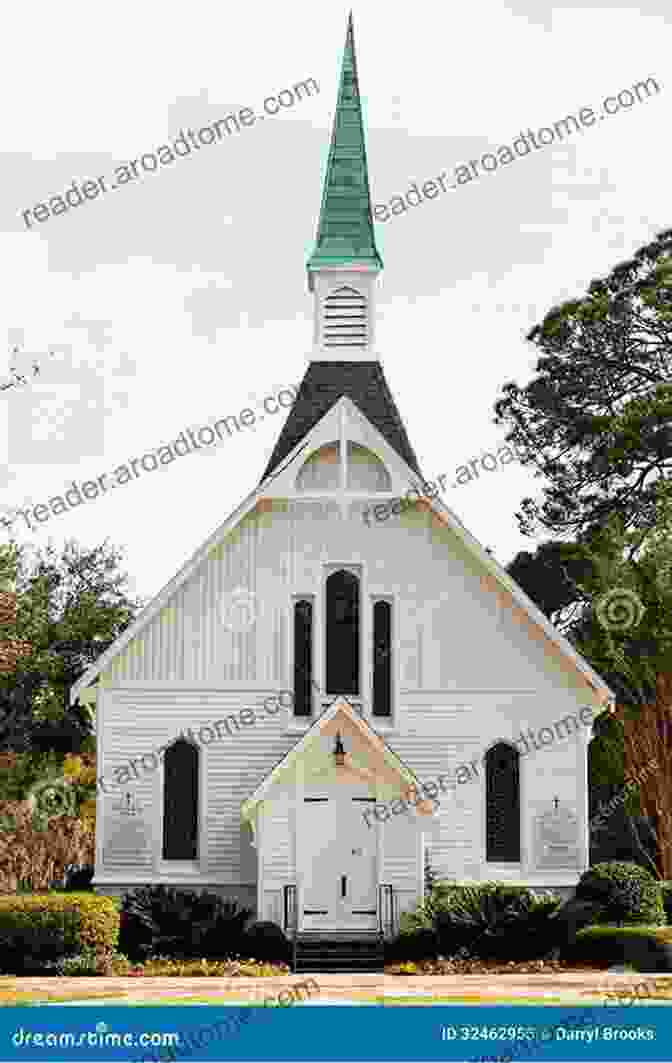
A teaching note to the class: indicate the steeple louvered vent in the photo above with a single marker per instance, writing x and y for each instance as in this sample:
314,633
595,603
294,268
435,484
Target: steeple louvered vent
345,319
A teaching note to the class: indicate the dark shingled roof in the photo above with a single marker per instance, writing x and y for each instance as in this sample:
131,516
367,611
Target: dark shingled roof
322,386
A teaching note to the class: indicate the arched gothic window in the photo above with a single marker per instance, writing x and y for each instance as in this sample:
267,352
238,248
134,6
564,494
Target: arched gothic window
502,790
342,633
303,658
382,659
180,801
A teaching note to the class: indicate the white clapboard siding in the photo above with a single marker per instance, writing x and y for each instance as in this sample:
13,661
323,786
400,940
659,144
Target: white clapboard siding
467,672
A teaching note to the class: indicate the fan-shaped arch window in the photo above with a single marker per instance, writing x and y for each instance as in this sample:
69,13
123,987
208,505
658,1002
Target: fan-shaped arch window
180,801
502,790
321,472
366,471
344,321
342,633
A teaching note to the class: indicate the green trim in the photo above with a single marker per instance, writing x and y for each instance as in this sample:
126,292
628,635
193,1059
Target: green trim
345,234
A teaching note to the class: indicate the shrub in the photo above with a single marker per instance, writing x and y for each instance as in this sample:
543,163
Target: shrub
496,921
412,945
266,942
424,915
627,894
36,929
164,965
34,853
79,878
490,920
161,919
647,949
89,963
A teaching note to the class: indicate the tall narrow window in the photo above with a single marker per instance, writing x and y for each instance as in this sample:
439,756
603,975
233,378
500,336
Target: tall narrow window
382,659
342,633
303,658
502,788
180,801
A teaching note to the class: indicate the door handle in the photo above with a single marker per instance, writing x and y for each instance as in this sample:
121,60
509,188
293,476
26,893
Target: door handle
344,880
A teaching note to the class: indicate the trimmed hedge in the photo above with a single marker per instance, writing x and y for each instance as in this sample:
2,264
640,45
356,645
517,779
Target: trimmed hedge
627,894
36,928
646,948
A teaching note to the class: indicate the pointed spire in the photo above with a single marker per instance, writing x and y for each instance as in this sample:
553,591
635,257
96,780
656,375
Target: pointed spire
345,234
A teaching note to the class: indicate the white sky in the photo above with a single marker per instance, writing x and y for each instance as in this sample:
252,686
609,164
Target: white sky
175,302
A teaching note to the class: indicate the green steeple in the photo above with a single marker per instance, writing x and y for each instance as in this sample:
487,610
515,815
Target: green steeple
345,231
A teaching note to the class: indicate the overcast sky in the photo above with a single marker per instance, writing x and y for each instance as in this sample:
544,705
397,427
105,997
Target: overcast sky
184,299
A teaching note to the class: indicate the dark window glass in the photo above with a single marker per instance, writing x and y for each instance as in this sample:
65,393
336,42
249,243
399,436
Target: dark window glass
303,658
180,802
342,634
503,804
382,659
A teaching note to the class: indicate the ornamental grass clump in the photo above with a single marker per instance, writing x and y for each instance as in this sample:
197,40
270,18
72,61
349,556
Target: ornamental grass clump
35,853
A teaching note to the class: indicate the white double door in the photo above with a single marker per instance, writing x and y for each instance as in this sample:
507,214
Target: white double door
339,881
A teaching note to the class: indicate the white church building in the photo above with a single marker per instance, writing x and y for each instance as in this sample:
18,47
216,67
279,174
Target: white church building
318,703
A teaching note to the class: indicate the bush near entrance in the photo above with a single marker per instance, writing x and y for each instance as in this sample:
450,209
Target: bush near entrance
626,893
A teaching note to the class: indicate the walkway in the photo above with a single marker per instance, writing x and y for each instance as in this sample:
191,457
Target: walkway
585,987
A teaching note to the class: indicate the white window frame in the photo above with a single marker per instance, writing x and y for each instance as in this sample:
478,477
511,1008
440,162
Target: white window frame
182,867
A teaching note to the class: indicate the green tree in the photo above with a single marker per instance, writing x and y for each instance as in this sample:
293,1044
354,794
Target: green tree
549,576
70,607
596,420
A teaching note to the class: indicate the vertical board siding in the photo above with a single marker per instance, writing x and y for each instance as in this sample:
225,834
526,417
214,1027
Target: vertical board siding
278,865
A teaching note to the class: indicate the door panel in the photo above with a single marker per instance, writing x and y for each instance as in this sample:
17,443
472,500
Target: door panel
358,853
320,843
340,865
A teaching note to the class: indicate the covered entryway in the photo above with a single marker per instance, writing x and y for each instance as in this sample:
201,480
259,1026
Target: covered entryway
339,857
333,875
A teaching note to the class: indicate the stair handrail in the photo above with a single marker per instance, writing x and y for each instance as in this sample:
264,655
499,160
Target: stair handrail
386,904
291,917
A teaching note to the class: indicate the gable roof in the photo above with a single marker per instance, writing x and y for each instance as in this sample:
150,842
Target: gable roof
345,234
322,386
336,708
490,566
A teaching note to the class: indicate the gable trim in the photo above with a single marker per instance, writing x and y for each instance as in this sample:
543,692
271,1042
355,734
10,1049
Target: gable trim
603,694
294,754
